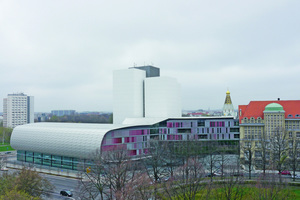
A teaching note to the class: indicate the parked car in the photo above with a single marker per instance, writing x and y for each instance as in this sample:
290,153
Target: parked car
66,193
4,169
297,176
285,172
212,174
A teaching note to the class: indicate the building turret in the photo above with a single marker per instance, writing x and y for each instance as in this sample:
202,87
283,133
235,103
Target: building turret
228,109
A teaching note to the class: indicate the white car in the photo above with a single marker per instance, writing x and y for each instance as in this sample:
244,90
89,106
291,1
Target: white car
296,177
4,169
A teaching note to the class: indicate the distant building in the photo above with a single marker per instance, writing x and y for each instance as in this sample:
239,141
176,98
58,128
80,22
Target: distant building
18,109
228,109
41,117
60,113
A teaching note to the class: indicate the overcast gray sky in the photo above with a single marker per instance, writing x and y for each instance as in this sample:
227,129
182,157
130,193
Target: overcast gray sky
63,52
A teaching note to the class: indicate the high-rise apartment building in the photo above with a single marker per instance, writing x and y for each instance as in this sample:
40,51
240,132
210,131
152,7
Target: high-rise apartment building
18,109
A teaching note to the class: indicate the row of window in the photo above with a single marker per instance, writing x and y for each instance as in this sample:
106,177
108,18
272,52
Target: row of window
47,159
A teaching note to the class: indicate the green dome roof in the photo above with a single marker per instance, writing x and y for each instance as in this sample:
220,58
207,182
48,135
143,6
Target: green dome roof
274,107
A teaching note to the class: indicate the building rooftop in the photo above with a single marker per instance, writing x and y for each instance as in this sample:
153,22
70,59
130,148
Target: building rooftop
256,108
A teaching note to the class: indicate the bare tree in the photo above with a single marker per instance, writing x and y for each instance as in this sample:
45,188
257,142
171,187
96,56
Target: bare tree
269,187
248,150
188,182
171,157
155,163
232,187
224,159
279,149
212,158
108,175
264,151
294,154
139,187
92,181
118,172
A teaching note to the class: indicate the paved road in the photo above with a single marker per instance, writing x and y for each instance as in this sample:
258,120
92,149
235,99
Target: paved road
61,183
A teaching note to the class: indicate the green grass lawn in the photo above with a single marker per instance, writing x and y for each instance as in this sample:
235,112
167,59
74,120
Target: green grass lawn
249,193
6,148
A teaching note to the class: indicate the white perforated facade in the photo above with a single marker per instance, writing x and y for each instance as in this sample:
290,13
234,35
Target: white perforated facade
65,139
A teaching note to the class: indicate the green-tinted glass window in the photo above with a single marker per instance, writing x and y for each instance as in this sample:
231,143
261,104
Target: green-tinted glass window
21,155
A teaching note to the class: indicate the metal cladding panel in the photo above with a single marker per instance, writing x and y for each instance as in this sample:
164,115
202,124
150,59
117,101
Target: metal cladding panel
65,139
162,97
128,94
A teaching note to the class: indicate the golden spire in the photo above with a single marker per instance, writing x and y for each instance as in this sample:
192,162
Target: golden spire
228,99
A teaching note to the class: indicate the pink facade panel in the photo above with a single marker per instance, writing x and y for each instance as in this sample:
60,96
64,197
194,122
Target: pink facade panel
169,124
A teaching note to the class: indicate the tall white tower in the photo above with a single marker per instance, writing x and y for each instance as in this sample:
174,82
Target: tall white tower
128,94
228,109
18,109
140,92
162,97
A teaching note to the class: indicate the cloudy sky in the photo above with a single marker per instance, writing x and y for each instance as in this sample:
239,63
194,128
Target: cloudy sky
63,52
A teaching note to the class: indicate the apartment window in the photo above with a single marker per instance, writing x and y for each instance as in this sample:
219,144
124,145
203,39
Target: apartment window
298,134
236,136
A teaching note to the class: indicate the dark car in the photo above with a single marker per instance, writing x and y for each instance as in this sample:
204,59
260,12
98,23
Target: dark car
66,193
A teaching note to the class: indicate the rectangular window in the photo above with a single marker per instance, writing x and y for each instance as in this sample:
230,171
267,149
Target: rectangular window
202,136
47,159
67,162
56,161
201,123
38,158
184,130
21,155
236,135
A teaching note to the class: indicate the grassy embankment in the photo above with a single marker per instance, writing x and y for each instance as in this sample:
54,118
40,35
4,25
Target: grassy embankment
5,147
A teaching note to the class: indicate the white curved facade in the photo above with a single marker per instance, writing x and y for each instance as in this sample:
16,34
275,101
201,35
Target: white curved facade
65,139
